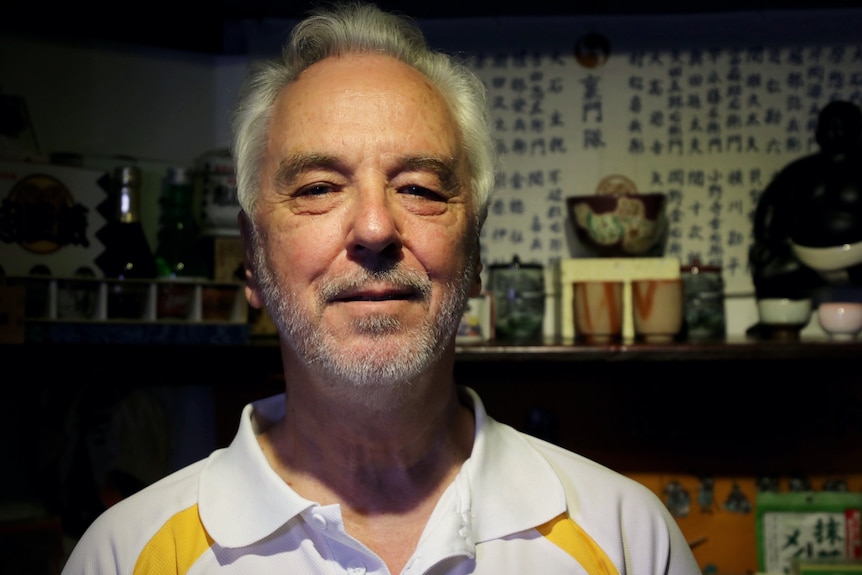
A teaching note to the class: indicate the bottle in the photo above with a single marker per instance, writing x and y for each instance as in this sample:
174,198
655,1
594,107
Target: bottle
127,254
179,253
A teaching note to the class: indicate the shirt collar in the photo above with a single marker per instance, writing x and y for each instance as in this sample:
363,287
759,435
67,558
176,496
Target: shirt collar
510,486
242,499
504,487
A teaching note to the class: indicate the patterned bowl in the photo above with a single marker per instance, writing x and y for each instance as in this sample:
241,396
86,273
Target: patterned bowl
627,225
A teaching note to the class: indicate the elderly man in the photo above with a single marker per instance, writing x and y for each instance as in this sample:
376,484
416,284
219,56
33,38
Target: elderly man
364,163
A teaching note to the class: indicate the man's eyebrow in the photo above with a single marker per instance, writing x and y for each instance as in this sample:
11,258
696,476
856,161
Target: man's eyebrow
294,165
445,169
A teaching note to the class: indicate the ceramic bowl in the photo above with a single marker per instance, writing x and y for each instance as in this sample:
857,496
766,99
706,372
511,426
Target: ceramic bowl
627,225
841,320
784,311
783,318
830,258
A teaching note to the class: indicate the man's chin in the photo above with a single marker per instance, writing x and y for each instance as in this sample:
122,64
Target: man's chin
389,357
380,349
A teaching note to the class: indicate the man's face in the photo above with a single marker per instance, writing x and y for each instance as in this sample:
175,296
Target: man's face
367,243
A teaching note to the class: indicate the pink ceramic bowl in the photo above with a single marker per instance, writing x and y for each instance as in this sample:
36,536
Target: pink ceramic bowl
841,320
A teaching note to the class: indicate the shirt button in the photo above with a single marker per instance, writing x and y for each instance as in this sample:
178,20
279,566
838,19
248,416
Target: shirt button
356,568
319,521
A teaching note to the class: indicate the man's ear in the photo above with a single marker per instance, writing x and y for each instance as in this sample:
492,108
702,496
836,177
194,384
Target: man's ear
249,240
476,288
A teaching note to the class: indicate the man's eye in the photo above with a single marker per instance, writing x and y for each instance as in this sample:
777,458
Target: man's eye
315,190
422,192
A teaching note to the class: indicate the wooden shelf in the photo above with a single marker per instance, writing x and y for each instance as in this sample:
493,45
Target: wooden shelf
736,349
739,406
214,356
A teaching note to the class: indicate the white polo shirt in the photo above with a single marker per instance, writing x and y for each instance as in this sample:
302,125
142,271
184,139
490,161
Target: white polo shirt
518,506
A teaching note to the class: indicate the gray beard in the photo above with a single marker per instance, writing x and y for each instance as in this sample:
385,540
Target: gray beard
379,374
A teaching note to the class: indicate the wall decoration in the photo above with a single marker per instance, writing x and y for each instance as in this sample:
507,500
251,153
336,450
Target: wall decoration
703,115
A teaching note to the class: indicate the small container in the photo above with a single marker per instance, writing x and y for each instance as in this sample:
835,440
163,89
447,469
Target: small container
704,301
597,308
219,302
519,300
37,294
129,299
657,308
175,299
840,320
78,297
220,206
476,322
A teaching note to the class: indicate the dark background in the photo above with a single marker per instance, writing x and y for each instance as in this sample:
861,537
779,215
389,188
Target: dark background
199,27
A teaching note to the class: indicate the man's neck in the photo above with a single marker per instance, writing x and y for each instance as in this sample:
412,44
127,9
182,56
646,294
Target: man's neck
387,472
370,461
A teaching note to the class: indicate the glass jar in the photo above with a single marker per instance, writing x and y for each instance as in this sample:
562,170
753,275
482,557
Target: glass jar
519,300
704,301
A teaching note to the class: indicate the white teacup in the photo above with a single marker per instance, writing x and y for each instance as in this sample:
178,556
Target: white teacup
784,318
782,311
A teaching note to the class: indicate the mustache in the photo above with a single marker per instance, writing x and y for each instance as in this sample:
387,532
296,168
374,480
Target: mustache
396,277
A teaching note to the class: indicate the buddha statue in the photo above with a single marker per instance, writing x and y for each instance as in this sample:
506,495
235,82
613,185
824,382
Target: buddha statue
815,201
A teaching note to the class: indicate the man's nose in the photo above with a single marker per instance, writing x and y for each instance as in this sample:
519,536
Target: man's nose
374,225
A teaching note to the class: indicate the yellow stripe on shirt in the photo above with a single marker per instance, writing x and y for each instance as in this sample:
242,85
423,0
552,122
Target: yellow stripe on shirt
176,546
568,536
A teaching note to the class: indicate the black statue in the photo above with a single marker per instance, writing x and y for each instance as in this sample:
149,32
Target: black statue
815,201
